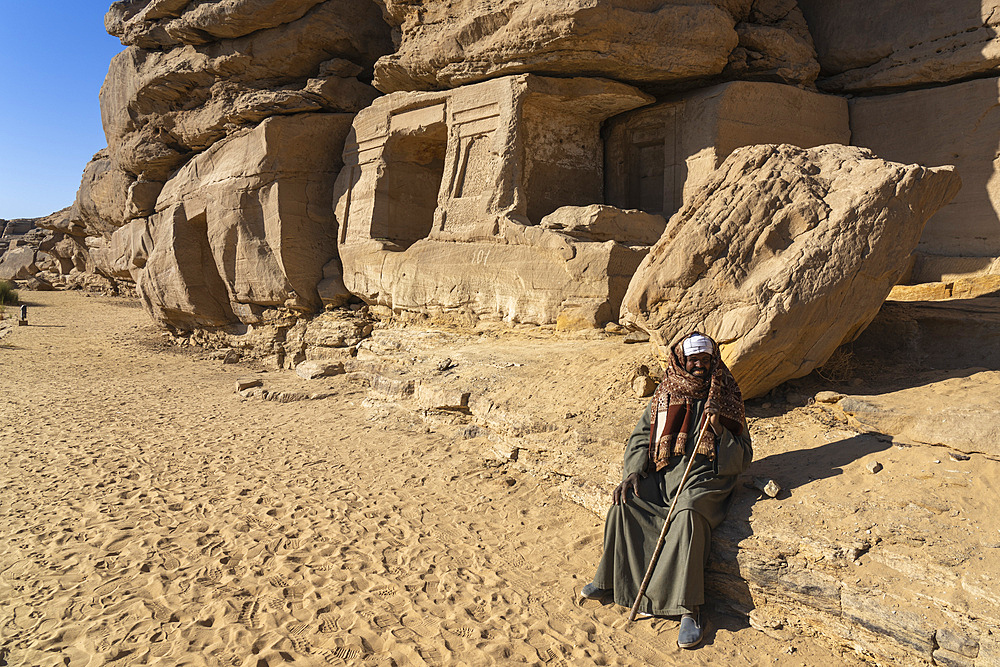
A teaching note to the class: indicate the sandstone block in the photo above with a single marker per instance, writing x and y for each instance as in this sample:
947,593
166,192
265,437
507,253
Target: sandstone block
310,370
866,46
127,251
18,264
958,125
441,194
784,254
100,204
251,222
606,223
658,156
949,422
447,44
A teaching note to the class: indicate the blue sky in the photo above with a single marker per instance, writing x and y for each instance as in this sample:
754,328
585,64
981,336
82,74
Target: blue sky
53,58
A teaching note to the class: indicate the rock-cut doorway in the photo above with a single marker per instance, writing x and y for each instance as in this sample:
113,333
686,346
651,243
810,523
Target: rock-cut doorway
407,193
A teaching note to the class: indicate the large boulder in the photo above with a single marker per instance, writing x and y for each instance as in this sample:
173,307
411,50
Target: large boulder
872,46
18,263
245,225
157,24
447,44
126,252
784,254
100,203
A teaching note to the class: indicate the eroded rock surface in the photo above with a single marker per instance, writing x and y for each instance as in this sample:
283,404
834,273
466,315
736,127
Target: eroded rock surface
657,156
195,73
447,44
866,46
957,124
785,254
245,225
441,195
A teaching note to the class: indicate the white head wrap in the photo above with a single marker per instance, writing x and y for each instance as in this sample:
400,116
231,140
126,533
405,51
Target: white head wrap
697,343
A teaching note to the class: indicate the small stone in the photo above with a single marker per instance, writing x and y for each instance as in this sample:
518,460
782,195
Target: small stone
509,481
958,457
231,357
637,337
828,397
768,486
643,386
248,382
613,328
445,365
873,467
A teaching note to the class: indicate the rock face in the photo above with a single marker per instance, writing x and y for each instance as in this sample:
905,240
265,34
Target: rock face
247,224
441,196
785,254
950,420
657,156
957,124
447,44
100,205
18,264
866,46
195,73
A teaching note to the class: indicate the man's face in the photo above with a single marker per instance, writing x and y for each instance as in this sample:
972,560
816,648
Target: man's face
699,365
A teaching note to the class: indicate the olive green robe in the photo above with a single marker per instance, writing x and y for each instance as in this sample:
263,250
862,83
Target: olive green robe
678,582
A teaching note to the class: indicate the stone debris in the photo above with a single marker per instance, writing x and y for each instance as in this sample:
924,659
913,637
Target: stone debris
636,337
231,357
248,382
310,370
767,486
828,397
873,467
643,386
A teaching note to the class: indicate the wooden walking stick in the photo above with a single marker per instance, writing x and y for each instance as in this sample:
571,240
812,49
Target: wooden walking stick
666,524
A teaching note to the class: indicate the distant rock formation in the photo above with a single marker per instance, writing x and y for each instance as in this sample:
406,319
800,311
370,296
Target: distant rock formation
784,254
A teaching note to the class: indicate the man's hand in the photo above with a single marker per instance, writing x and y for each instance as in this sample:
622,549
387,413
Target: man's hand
715,423
620,495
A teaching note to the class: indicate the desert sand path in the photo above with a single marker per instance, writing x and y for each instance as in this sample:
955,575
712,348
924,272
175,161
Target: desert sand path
149,515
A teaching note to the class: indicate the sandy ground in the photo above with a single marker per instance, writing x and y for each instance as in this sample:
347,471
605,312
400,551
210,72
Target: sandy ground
151,515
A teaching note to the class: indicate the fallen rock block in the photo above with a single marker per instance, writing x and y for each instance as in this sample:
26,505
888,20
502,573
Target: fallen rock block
783,255
643,386
248,383
310,370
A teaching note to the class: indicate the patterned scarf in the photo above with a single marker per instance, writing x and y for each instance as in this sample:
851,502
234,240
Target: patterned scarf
672,406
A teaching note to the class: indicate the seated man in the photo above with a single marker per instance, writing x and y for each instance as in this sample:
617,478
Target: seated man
696,382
